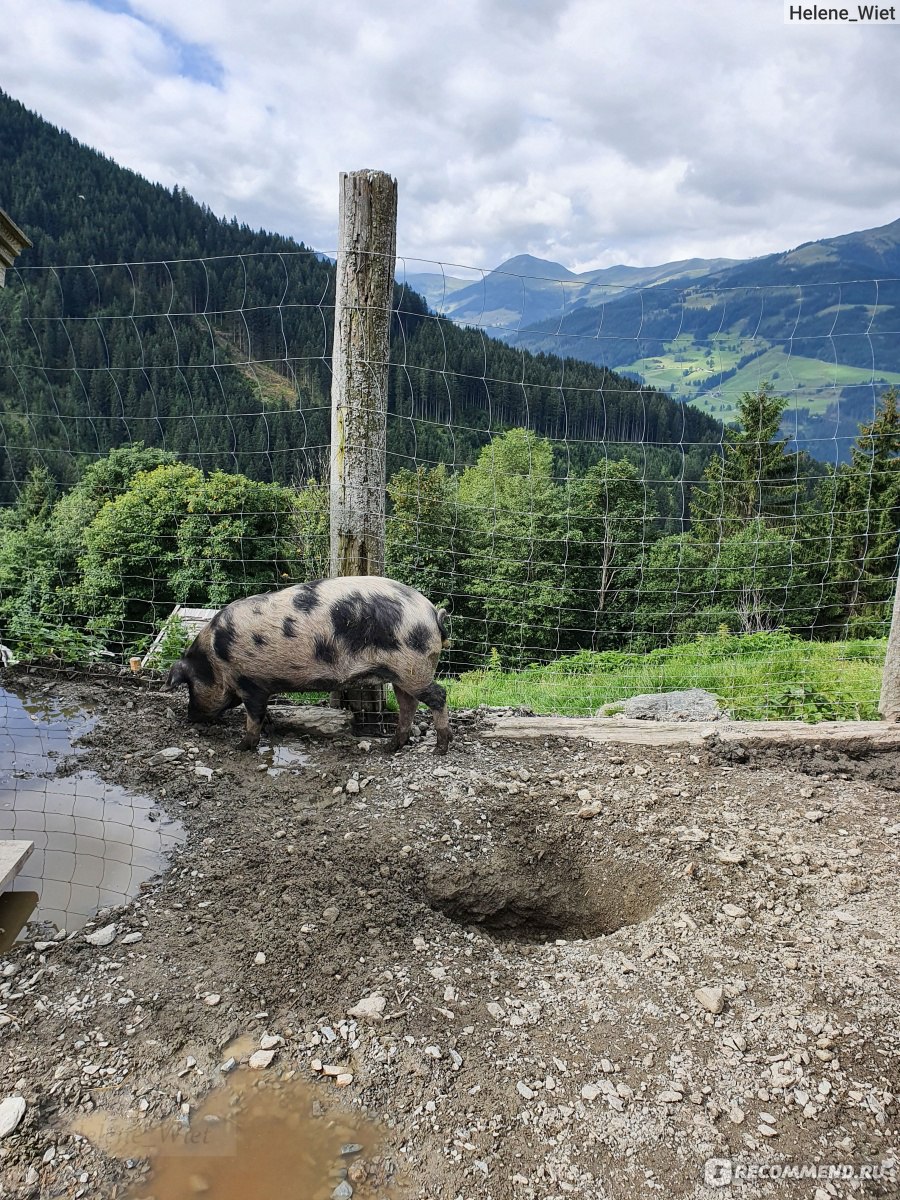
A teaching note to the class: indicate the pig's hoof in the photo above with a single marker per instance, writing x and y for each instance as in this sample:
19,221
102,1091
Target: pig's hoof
395,744
248,743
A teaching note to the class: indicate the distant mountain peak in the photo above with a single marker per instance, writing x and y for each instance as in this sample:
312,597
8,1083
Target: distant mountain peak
537,268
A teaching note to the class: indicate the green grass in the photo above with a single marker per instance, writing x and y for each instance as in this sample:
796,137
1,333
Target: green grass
805,382
687,365
756,677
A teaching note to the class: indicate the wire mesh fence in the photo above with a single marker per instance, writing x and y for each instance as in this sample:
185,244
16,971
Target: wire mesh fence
613,488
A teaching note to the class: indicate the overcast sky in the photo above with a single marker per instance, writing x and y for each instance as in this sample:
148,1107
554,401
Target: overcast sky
591,132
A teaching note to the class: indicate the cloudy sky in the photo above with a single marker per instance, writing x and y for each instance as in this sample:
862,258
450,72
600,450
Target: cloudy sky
591,132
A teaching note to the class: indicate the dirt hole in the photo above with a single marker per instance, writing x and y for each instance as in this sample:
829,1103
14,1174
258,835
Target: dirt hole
546,898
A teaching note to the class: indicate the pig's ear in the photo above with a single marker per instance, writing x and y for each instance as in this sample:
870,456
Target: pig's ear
178,675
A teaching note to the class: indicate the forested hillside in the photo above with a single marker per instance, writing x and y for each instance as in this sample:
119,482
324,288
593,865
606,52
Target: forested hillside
217,346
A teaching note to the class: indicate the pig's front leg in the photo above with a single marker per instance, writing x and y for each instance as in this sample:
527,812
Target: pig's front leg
255,698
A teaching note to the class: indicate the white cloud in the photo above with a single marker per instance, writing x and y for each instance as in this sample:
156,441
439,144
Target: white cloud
591,131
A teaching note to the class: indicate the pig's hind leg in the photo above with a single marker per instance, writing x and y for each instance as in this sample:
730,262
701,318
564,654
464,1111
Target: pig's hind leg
435,697
407,705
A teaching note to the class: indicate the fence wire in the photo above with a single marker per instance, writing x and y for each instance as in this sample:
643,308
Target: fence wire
613,488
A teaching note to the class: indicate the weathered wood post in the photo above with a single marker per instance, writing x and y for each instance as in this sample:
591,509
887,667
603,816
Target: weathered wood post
366,264
889,704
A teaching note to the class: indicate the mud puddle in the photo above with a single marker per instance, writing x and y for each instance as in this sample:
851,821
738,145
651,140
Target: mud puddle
249,1138
94,843
279,759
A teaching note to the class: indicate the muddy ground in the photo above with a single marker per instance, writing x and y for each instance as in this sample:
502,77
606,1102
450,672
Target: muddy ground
543,932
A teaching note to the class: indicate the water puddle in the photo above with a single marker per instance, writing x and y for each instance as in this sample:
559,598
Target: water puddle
250,1138
279,759
94,844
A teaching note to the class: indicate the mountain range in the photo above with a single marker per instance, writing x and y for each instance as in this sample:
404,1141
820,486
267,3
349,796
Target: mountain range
820,322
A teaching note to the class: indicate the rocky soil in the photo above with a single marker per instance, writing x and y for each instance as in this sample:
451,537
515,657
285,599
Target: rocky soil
545,969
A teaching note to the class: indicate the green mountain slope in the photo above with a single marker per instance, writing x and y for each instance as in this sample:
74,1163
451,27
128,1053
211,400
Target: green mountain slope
820,322
218,345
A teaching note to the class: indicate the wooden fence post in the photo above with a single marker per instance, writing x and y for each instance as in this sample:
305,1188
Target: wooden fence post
366,265
889,703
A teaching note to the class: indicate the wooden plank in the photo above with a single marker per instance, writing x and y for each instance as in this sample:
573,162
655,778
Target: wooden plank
193,619
873,734
12,856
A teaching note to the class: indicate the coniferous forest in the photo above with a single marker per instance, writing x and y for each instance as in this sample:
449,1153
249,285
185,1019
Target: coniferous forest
164,425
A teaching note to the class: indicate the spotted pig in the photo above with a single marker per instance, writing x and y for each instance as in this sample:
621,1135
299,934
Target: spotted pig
319,636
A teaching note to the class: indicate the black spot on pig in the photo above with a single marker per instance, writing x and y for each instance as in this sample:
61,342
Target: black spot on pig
201,667
260,639
325,649
367,622
223,638
306,597
419,638
289,627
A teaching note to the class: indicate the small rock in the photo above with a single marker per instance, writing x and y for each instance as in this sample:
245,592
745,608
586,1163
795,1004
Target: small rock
228,1065
259,959
736,1115
343,1191
524,1091
261,1058
170,754
590,1091
130,938
711,998
670,1097
350,1148
734,910
590,810
732,857
331,914
351,787
42,946
212,999
102,937
344,1079
270,1040
12,1110
370,1009
203,772
814,814
584,795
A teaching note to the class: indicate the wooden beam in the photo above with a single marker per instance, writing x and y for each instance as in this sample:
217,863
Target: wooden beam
13,855
13,241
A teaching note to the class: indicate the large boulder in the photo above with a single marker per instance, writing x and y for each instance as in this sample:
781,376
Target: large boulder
694,704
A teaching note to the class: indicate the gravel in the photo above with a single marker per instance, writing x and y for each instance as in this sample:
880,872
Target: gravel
571,1007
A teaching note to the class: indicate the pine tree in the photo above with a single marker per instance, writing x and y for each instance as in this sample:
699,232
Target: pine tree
866,499
755,478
